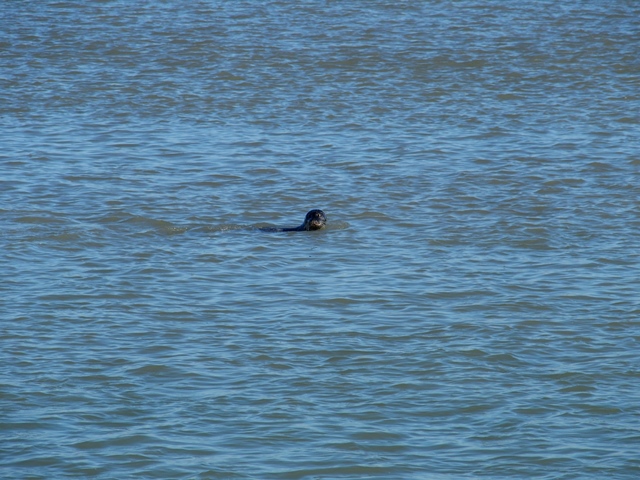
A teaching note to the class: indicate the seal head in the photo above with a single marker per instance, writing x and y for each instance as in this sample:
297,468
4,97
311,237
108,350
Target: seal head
315,220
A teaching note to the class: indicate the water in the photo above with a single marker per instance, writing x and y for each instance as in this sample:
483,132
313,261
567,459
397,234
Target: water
471,311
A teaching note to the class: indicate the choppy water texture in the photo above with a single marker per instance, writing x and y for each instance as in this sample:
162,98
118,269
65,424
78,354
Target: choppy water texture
471,311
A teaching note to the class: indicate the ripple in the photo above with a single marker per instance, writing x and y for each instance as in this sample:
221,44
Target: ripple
469,311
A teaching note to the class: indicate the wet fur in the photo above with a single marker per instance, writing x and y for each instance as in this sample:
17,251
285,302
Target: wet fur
314,220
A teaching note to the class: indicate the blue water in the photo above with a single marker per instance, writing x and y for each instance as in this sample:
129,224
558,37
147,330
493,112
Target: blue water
472,309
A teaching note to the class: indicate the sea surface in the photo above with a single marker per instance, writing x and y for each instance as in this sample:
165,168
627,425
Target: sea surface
472,309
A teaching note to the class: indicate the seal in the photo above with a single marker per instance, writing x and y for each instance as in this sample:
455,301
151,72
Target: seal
314,220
